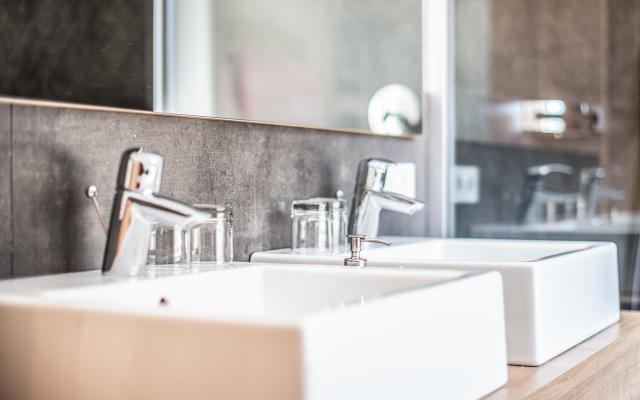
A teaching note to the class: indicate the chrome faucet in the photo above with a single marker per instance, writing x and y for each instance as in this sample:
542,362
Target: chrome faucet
587,199
136,208
592,190
535,195
370,197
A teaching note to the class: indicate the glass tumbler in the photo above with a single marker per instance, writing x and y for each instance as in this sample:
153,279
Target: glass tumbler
168,248
319,225
212,241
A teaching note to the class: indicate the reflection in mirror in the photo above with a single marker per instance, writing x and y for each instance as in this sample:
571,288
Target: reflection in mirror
291,61
394,109
299,62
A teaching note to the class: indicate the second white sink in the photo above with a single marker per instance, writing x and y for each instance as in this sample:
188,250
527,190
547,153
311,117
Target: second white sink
557,294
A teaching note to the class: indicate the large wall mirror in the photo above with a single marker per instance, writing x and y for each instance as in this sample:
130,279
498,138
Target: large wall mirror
337,64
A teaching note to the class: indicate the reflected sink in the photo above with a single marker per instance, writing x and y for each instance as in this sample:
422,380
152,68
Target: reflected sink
254,331
557,294
622,223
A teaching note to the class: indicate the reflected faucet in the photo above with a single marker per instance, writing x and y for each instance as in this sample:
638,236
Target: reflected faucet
587,201
534,194
370,197
136,209
592,190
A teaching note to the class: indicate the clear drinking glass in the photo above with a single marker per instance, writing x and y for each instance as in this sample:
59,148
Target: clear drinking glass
212,241
319,225
169,247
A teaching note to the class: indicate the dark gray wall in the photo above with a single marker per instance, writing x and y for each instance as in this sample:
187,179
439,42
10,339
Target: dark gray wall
83,51
49,155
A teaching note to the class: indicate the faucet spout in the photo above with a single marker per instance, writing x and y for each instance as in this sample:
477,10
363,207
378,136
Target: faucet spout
533,190
397,202
370,198
164,210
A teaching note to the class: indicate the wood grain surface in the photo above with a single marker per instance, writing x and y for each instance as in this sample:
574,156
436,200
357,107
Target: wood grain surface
605,366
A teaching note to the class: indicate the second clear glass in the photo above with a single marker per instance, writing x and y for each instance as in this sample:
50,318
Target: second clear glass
212,241
319,225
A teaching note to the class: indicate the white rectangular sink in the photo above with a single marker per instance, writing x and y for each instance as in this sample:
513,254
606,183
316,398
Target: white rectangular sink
557,294
254,331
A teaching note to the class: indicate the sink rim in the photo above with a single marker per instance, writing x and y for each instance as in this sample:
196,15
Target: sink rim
46,298
580,247
381,254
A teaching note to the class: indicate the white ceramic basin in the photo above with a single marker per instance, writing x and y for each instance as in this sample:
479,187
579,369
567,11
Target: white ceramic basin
557,294
254,331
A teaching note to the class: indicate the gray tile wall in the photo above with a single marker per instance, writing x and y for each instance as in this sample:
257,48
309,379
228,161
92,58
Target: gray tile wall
57,152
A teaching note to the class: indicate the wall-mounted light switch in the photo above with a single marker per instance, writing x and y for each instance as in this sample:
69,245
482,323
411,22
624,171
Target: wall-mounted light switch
467,184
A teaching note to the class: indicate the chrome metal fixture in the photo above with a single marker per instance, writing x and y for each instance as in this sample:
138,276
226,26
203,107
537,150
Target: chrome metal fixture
588,118
136,208
355,244
555,117
535,195
370,197
592,190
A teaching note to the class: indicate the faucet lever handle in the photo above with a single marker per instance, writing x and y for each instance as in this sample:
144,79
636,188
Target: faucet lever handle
355,244
91,192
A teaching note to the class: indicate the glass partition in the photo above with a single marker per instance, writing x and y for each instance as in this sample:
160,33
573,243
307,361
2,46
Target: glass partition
547,98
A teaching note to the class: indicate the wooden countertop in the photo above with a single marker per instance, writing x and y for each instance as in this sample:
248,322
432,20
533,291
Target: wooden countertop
605,366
